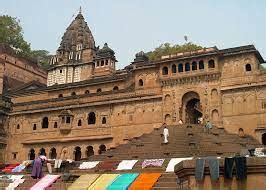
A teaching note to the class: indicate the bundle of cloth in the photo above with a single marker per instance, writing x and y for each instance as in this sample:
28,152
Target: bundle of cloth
152,162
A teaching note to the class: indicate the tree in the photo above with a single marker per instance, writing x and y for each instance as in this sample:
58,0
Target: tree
42,57
167,49
11,33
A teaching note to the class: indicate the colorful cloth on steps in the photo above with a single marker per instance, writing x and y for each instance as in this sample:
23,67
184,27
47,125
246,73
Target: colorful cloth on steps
45,182
126,164
83,182
88,165
19,168
152,162
123,181
103,181
174,161
14,184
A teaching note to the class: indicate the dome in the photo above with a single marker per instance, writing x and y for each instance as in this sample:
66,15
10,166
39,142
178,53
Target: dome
76,33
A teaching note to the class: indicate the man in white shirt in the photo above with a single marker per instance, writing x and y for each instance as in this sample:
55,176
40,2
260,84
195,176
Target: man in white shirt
165,134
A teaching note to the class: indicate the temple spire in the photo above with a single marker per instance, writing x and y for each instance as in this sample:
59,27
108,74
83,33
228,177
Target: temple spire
80,10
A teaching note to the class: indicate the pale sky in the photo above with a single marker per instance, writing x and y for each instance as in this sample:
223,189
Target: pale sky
129,26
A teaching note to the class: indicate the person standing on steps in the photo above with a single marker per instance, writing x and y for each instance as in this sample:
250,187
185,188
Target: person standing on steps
165,134
208,126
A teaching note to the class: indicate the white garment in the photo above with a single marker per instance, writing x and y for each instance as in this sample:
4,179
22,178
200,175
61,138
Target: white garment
49,167
166,135
15,184
88,165
126,164
175,161
57,163
180,122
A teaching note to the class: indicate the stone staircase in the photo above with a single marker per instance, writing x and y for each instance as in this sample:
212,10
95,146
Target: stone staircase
184,141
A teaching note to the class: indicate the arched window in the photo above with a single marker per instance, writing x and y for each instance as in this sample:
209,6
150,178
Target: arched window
104,120
248,67
241,132
173,68
42,152
53,153
34,127
201,65
87,92
102,148
180,67
90,151
263,138
187,67
91,118
211,63
141,82
32,154
99,90
68,119
165,71
79,123
60,96
45,122
73,94
194,65
115,88
77,153
55,124
102,63
18,126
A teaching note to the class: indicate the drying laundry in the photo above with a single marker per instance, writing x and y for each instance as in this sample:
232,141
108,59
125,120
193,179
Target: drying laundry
174,161
152,162
126,164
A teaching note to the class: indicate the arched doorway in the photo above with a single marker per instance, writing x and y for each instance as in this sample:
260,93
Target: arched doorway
53,153
263,138
32,154
102,148
191,108
90,151
42,152
77,153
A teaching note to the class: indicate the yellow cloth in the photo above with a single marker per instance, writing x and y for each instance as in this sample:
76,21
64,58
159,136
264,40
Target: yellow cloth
103,181
83,182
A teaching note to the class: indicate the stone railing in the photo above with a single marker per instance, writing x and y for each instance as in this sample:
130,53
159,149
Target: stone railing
55,136
95,100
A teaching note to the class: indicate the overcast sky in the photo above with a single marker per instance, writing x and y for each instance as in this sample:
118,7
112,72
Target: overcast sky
129,26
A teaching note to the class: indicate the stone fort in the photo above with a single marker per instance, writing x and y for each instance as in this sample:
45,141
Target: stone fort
88,106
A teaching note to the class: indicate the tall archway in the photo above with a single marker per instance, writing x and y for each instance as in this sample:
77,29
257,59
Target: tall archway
32,154
90,151
77,153
53,153
45,122
263,138
191,108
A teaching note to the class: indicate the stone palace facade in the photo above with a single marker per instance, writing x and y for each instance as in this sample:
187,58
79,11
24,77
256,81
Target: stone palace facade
88,106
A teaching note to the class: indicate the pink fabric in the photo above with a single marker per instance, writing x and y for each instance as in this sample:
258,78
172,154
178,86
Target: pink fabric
152,162
45,182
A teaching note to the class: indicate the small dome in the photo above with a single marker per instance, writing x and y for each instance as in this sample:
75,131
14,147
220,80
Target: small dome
106,49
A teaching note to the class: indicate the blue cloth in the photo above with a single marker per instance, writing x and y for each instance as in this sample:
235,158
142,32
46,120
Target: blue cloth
18,168
123,181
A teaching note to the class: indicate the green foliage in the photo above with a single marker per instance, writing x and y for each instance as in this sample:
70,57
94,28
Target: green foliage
167,49
42,57
11,33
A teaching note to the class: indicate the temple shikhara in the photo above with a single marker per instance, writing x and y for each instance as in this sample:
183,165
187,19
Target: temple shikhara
84,110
